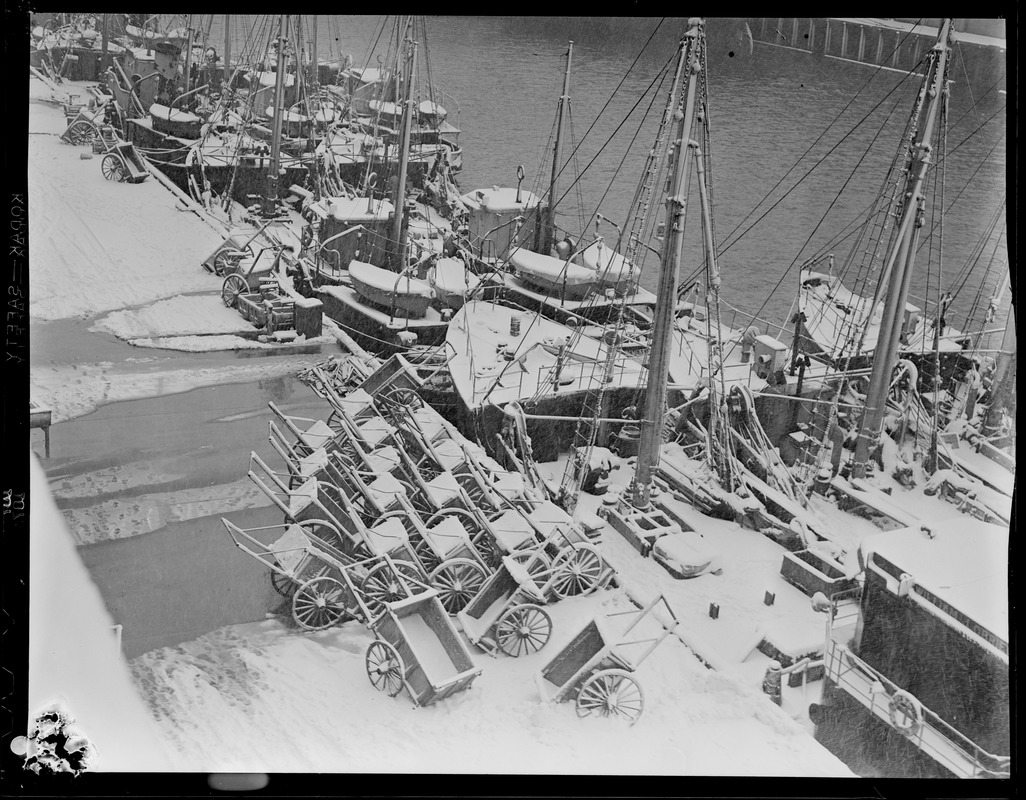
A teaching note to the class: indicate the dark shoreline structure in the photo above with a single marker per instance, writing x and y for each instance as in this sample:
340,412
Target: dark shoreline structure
897,44
917,628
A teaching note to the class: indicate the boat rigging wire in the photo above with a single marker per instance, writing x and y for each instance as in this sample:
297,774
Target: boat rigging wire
831,205
811,147
623,122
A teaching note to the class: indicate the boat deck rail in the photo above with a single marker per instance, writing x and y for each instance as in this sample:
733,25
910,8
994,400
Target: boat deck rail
896,707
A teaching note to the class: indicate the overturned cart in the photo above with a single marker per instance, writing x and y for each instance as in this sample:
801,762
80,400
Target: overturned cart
597,665
419,650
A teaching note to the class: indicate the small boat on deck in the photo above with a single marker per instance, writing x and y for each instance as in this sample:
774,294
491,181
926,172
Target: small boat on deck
612,269
453,282
403,294
554,275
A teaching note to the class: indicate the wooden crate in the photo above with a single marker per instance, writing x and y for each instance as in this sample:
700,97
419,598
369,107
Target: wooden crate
810,573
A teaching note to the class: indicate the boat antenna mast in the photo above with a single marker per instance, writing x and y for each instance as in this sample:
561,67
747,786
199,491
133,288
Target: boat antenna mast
901,259
692,55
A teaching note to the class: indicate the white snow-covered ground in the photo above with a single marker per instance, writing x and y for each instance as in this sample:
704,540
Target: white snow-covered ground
100,245
266,697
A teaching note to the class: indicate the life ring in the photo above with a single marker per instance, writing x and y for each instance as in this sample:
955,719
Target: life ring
905,712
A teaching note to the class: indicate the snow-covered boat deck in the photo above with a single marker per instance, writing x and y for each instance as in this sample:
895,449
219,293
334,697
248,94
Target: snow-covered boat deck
500,354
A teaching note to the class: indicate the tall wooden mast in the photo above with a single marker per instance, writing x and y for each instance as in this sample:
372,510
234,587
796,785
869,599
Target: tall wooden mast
665,311
549,232
271,194
227,61
398,225
901,259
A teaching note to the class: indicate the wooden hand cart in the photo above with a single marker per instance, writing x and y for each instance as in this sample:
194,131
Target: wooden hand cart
244,269
83,126
507,614
121,161
326,586
597,666
418,649
328,513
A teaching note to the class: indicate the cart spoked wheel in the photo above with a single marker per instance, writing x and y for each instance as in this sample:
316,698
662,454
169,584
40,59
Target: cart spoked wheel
111,168
283,585
611,693
576,571
325,531
319,604
402,399
385,668
523,630
536,562
458,581
227,261
80,133
424,553
472,488
233,286
382,585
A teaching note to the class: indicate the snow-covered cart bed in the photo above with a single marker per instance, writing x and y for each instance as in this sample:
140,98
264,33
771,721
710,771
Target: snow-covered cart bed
419,649
596,665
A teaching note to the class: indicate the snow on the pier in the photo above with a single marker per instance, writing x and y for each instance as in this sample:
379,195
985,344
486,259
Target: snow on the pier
184,315
74,390
99,245
73,657
267,697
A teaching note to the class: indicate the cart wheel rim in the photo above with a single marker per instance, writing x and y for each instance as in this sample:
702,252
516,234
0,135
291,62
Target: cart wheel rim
457,581
233,286
523,630
385,668
323,530
381,585
319,604
611,693
110,167
576,571
536,562
425,554
284,586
